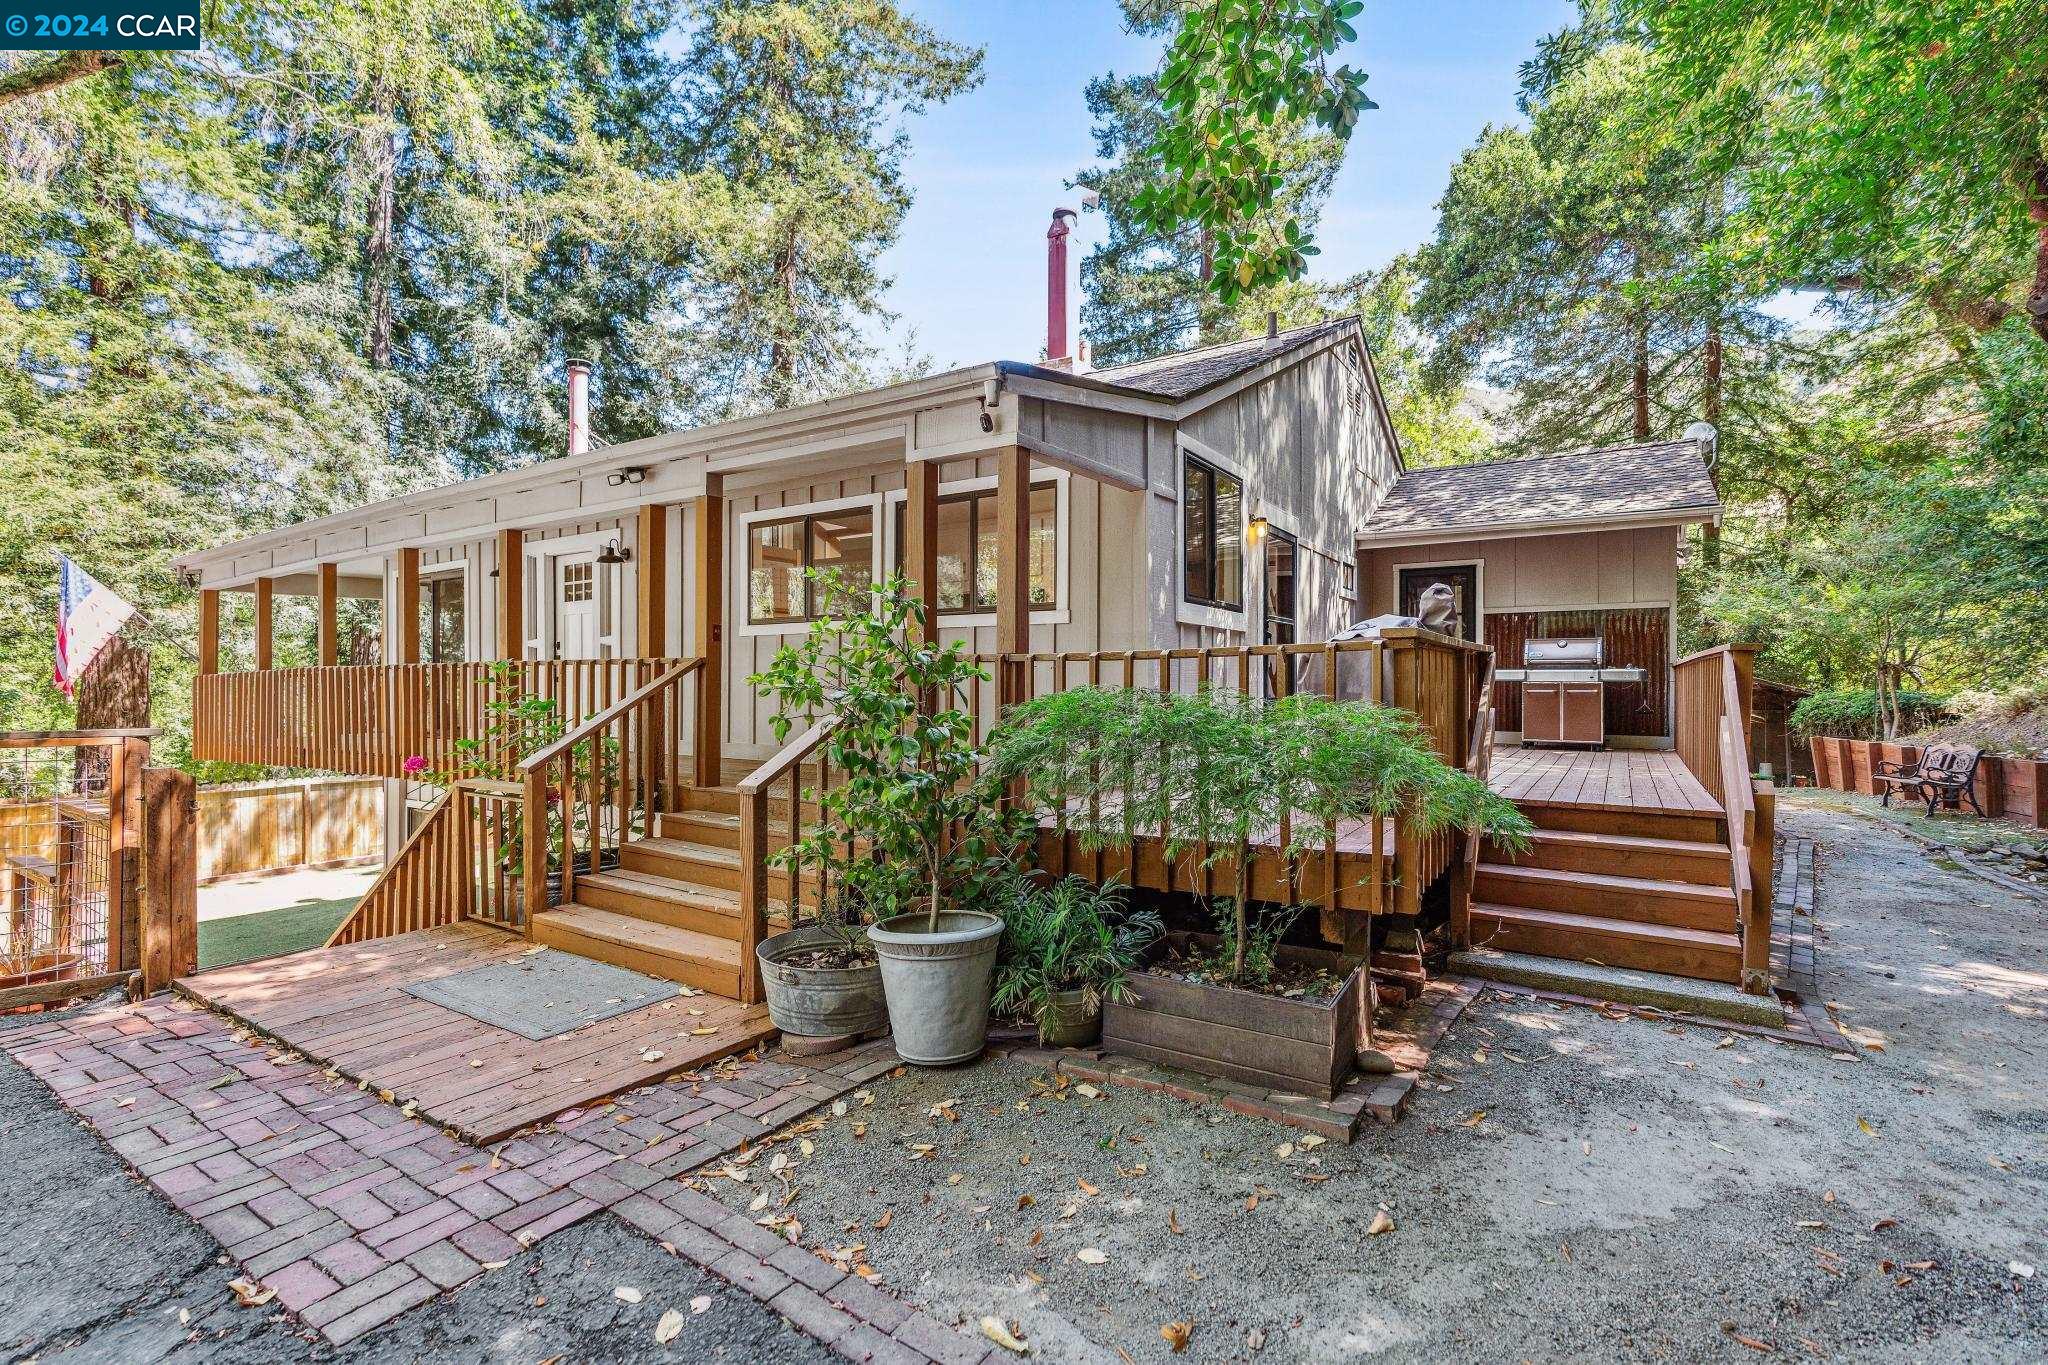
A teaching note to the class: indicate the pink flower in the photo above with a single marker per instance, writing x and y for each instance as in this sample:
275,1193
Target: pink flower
414,765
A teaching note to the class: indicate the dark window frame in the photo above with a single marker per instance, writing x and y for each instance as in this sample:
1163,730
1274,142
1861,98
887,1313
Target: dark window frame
973,497
809,588
433,588
1210,597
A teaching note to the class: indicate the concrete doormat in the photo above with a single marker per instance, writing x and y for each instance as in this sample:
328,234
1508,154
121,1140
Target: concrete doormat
544,994
1405,1040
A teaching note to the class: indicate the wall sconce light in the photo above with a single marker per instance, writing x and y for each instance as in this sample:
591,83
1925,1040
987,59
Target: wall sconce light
493,573
631,474
612,554
1259,527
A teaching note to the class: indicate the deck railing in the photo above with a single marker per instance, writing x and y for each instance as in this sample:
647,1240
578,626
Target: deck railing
603,783
369,719
1711,693
1440,680
801,760
460,863
1436,678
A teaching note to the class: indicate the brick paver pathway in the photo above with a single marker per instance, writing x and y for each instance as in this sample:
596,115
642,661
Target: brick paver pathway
353,1211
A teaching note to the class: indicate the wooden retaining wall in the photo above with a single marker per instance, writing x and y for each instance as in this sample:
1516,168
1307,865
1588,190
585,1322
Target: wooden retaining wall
2010,788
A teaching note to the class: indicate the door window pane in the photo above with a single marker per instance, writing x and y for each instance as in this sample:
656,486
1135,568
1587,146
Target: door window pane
775,571
441,628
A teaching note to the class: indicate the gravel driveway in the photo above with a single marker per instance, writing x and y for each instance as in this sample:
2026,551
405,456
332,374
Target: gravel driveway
1570,1187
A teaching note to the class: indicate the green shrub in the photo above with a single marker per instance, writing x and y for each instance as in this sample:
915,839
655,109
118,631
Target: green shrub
1071,935
1852,713
1212,770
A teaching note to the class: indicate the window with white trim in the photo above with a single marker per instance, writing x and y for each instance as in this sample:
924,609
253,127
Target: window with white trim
968,535
779,551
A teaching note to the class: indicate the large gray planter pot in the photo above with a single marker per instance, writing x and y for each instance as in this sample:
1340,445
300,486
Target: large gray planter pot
818,1002
937,984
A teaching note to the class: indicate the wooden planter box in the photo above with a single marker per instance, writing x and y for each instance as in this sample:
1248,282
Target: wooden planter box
1862,763
1240,1035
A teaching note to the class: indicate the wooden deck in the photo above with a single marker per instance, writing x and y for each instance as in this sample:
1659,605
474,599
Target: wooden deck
347,1008
1648,780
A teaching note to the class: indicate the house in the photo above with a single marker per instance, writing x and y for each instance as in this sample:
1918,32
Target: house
1574,545
1200,502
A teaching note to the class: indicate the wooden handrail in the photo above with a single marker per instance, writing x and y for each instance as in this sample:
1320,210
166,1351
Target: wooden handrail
754,820
790,754
540,758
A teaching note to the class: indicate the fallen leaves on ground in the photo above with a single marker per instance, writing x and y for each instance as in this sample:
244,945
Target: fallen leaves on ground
1173,1223
1091,1256
700,1304
669,1328
1382,1223
626,1293
997,1331
882,1224
1865,1125
1176,1334
250,1294
1477,1117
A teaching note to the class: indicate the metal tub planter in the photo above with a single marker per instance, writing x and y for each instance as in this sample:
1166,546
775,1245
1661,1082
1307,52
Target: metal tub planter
819,1002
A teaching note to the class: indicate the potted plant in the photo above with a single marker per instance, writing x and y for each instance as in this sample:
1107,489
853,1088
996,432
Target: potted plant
1067,948
933,849
1213,772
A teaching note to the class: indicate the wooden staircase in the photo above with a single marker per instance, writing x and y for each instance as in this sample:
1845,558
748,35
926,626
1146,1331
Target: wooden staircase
671,908
1643,888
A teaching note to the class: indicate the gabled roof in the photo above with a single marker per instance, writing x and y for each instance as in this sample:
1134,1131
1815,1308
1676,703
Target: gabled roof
1660,481
1186,373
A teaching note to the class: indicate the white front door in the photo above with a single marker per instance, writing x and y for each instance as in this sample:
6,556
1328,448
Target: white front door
577,627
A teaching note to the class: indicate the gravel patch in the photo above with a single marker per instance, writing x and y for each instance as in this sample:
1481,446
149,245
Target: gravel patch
1629,1190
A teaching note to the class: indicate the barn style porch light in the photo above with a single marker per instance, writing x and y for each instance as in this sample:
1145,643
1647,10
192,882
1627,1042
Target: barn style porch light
612,554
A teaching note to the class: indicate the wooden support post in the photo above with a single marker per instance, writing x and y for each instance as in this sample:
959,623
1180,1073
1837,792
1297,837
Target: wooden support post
707,613
511,594
1756,928
1013,570
405,630
266,617
921,539
125,760
330,624
170,857
209,630
650,557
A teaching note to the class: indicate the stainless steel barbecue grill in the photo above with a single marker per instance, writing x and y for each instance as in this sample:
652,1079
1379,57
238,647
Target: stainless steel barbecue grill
1564,690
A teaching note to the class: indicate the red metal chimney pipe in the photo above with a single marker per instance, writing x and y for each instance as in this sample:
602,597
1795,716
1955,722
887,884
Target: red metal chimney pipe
1056,283
579,406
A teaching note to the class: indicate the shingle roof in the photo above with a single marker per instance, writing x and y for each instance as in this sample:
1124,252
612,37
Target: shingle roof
1189,372
1587,485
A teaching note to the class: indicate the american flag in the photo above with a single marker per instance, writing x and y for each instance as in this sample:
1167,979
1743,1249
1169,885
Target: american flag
88,617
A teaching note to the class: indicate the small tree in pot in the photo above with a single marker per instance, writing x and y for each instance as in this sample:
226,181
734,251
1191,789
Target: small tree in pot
934,841
1067,948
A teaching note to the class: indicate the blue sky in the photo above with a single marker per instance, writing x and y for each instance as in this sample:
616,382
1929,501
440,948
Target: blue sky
989,167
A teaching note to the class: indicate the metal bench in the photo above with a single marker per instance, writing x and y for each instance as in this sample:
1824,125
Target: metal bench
1945,777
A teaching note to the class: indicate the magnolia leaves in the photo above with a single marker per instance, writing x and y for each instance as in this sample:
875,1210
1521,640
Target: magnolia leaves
1237,86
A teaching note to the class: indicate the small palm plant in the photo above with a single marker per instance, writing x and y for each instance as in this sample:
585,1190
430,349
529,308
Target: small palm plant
1070,936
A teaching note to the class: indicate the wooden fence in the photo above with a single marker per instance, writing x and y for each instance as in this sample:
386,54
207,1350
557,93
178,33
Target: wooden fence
253,827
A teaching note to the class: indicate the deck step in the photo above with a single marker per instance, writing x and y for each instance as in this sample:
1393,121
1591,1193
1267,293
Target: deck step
1646,822
695,959
1620,855
1678,994
679,904
698,864
724,800
1681,905
1701,954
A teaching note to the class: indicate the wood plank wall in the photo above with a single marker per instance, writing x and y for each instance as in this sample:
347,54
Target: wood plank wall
1638,637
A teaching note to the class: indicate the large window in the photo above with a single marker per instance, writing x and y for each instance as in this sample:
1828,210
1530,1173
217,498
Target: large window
1212,535
778,552
968,535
